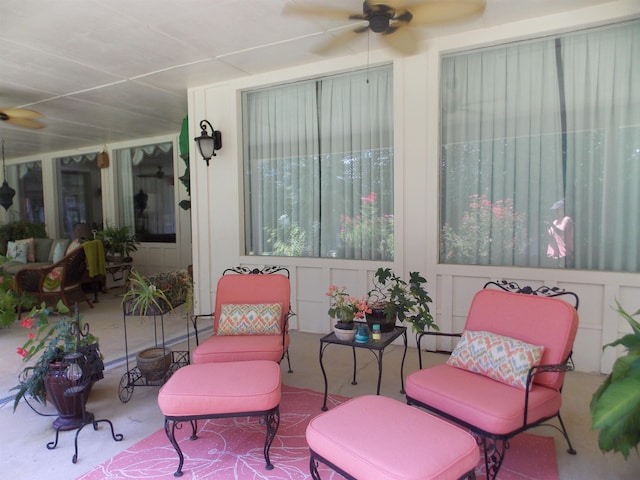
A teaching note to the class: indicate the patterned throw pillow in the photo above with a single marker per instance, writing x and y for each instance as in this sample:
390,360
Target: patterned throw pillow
52,281
72,246
17,252
58,252
258,319
502,358
31,249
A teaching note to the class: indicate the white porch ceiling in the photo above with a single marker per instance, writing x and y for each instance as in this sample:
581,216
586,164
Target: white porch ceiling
105,71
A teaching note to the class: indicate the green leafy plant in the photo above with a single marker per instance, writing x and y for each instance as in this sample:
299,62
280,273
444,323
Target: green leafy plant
47,342
615,406
143,297
118,241
10,300
19,229
184,141
293,244
368,227
407,300
484,226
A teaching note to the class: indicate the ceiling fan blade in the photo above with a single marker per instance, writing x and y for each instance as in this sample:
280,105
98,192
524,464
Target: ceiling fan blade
24,122
21,113
318,10
440,12
402,38
339,40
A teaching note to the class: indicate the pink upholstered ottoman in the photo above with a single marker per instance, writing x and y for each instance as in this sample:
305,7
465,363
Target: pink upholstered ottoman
216,390
373,437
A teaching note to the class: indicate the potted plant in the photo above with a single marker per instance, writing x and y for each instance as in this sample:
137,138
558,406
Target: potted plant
10,300
143,298
118,242
47,376
393,298
615,406
345,309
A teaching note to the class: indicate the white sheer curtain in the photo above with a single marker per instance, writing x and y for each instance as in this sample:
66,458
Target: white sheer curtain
128,158
26,179
281,185
357,164
501,153
602,71
319,157
529,124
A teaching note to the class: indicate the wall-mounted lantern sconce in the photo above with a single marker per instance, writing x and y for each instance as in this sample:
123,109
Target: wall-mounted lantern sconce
208,144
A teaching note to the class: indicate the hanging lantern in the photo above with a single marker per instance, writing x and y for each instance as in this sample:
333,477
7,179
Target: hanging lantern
6,192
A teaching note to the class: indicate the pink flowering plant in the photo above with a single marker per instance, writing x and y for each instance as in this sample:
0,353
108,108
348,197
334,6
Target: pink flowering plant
47,342
344,307
369,228
485,227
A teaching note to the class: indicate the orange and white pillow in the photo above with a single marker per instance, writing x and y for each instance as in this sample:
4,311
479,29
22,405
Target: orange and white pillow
504,359
250,319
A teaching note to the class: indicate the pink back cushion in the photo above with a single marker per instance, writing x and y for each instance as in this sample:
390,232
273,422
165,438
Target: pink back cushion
537,320
252,289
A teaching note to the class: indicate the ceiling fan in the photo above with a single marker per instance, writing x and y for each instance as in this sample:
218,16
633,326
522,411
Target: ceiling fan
159,174
393,19
21,117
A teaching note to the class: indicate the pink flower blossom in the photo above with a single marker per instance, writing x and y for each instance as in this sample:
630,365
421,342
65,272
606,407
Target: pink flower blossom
369,198
22,352
27,322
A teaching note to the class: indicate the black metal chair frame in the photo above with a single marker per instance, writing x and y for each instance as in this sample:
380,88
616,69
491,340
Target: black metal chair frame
267,270
494,445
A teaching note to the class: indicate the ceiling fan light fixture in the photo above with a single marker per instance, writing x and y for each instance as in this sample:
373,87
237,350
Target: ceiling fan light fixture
379,23
395,20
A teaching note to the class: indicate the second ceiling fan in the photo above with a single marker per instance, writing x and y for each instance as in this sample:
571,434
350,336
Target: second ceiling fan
394,20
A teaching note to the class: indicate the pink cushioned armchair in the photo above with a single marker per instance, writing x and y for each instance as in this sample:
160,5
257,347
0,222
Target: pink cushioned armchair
486,403
245,326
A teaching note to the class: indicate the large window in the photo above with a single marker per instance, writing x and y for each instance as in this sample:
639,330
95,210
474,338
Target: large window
79,192
318,159
146,192
26,178
541,152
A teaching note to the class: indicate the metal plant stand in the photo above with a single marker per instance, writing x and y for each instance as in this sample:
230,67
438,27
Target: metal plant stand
76,381
134,377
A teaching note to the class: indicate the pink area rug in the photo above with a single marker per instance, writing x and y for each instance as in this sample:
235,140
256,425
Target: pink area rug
231,448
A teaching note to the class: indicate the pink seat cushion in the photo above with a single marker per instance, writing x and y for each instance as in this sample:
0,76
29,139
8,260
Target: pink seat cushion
478,400
378,437
549,322
240,289
235,348
219,388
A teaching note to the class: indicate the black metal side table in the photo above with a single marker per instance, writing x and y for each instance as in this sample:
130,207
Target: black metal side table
375,347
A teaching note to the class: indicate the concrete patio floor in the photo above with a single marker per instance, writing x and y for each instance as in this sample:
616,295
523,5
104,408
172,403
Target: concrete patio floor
25,433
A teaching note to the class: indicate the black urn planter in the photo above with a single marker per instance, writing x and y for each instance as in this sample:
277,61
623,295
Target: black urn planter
377,316
70,407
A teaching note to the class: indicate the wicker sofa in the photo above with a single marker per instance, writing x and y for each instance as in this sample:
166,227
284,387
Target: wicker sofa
44,249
